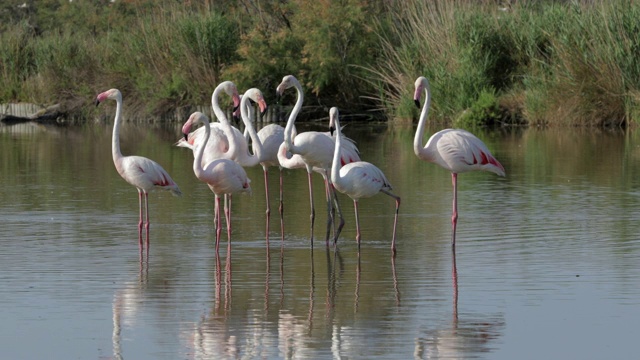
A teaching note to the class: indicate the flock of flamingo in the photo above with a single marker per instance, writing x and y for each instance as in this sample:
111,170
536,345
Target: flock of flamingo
221,152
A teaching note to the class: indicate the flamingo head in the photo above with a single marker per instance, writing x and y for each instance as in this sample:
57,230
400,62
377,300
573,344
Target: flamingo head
256,95
230,89
196,117
420,85
112,94
334,122
287,82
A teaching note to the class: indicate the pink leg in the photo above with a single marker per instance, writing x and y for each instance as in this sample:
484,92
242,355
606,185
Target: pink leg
227,216
355,206
330,213
140,222
217,222
454,216
281,208
395,221
338,230
146,209
266,189
313,211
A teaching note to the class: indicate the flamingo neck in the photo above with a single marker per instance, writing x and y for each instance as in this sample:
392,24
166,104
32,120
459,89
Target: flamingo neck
222,119
197,161
418,148
336,165
288,130
215,106
115,139
256,144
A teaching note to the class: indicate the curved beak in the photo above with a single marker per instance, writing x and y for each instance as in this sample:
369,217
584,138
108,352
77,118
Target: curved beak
263,106
417,102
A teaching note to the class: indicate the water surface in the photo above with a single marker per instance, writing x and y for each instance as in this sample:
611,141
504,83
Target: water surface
546,266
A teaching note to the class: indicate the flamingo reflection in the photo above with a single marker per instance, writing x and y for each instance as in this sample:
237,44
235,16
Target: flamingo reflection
461,338
126,304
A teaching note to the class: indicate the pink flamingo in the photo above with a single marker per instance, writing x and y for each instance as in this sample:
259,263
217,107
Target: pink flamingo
316,150
223,176
145,174
221,144
453,149
265,144
358,179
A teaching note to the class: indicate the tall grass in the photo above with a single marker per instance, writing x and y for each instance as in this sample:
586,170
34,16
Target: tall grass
540,62
563,63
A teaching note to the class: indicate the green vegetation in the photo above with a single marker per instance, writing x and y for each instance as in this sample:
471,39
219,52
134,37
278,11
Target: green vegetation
536,62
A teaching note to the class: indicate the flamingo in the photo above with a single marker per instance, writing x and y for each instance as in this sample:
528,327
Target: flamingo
315,148
456,150
225,141
145,174
223,176
265,143
358,179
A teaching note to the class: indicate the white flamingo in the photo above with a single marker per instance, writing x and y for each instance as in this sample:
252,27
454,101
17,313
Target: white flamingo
316,150
453,149
265,144
358,179
223,176
145,174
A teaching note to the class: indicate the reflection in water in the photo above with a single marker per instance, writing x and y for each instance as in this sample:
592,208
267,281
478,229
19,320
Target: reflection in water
64,214
463,338
125,306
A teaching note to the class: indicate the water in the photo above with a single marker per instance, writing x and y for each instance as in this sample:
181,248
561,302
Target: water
547,262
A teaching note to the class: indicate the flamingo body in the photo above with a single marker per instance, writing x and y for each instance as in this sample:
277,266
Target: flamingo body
223,176
453,149
316,150
143,173
359,179
460,151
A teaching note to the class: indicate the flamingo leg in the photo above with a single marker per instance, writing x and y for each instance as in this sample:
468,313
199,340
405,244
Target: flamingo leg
341,224
355,207
227,216
454,215
217,221
330,211
313,211
266,189
281,208
395,220
140,222
146,210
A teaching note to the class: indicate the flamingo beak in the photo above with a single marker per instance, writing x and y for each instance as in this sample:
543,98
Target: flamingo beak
332,129
97,102
186,137
417,102
263,106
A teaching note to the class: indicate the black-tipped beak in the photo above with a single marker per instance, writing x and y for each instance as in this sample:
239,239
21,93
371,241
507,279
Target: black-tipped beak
97,102
332,129
417,102
186,137
264,111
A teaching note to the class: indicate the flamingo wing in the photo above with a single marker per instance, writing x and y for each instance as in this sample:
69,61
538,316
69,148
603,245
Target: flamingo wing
361,180
147,174
462,151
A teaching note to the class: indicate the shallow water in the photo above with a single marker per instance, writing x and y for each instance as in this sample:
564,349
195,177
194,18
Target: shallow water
546,264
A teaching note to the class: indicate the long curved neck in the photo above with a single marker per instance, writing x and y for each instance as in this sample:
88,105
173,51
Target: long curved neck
418,148
222,119
335,166
197,161
256,144
288,130
215,106
115,139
